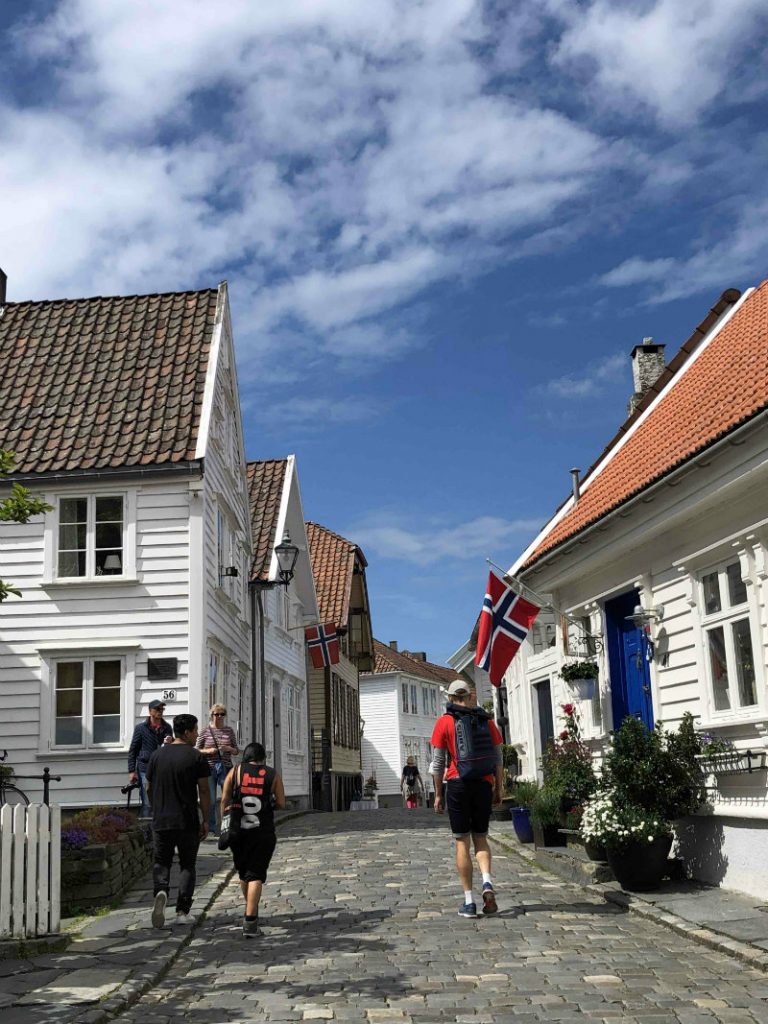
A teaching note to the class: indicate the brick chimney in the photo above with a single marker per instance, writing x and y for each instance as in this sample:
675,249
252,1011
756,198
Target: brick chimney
417,655
393,644
647,366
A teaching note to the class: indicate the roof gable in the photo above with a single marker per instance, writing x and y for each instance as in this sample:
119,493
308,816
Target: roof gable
333,564
265,491
104,382
719,388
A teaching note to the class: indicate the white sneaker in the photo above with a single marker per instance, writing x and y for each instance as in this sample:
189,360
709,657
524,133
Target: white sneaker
184,919
158,910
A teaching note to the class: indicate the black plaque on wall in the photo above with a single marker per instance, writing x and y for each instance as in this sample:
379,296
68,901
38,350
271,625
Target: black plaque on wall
162,668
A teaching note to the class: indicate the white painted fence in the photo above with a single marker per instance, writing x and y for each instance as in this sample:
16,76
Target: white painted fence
30,870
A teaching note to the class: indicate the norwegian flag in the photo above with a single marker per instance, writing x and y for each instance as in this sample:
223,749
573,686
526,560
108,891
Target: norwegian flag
504,623
323,644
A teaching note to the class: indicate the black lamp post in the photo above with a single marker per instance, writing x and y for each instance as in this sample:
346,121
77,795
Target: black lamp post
287,556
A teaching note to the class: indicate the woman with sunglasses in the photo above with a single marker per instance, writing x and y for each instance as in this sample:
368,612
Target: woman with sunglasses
218,742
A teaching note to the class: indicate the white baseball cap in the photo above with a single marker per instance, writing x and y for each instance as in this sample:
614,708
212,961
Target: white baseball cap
459,686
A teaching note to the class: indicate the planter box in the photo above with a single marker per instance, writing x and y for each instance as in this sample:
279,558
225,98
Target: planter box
101,873
731,761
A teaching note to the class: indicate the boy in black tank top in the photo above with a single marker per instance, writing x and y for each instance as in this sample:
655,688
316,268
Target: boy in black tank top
259,790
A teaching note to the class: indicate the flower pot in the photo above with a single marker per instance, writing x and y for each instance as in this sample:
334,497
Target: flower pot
584,689
640,867
521,821
595,851
548,835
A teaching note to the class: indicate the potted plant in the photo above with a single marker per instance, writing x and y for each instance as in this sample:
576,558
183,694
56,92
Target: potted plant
567,765
545,818
581,677
523,794
650,778
371,785
510,765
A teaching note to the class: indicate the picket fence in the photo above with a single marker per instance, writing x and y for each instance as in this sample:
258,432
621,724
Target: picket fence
30,871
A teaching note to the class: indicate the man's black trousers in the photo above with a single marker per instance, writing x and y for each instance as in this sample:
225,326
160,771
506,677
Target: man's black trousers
167,841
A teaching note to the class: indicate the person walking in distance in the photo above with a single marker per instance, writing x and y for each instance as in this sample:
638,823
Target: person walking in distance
411,783
467,737
147,737
177,776
257,791
218,742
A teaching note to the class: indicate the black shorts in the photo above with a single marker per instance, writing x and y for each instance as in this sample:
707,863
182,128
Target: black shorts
252,854
469,805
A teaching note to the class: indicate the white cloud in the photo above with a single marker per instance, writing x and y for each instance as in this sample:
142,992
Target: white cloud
672,57
591,381
388,537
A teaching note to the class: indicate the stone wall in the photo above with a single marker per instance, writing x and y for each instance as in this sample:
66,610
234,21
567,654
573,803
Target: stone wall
99,874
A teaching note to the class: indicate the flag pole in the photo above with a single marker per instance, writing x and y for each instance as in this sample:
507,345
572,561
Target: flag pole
539,597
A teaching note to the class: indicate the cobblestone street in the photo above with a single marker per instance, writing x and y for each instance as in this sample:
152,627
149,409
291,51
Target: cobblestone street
360,924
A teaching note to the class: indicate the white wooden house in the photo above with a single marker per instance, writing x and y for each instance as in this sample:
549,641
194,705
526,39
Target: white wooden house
400,701
124,415
673,518
282,612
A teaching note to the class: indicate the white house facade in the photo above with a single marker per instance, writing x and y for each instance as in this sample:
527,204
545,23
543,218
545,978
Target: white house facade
660,560
283,612
400,701
124,415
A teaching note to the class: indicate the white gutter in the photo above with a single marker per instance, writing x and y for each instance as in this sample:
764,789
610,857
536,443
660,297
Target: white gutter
584,484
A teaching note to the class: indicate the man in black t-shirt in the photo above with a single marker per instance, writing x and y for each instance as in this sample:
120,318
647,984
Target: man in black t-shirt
177,775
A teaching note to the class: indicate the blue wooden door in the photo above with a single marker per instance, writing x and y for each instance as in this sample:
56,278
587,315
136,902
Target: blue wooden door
628,662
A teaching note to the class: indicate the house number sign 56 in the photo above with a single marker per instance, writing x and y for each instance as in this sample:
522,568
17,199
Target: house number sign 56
169,695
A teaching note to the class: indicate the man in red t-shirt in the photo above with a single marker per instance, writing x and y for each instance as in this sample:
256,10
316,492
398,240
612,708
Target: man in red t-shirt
469,800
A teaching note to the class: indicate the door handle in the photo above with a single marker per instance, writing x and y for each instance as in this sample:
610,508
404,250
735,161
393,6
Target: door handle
647,689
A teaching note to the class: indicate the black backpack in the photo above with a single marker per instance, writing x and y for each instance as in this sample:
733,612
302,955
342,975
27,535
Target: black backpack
475,749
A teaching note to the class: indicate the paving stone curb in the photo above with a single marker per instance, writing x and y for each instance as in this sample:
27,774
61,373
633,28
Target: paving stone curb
634,904
141,980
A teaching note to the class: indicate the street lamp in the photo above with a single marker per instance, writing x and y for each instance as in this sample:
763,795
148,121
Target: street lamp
287,555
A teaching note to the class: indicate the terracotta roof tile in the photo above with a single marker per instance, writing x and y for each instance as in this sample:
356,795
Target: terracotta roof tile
265,491
333,563
723,388
104,382
389,660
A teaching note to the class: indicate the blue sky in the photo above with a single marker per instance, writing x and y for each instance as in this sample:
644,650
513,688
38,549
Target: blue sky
444,225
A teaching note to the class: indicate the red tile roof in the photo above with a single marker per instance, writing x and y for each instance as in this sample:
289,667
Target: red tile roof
104,382
265,492
333,563
389,660
724,387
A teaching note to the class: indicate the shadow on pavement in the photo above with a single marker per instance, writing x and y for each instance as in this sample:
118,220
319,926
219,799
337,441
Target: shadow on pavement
329,823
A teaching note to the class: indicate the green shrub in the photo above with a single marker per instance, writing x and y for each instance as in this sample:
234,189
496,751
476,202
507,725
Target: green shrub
545,808
523,792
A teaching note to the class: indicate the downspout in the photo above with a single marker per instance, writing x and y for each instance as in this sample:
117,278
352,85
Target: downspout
252,590
262,669
257,612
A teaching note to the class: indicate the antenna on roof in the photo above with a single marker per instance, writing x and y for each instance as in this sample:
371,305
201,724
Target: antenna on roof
3,283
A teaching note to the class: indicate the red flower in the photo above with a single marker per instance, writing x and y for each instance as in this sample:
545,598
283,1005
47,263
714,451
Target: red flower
568,709
564,735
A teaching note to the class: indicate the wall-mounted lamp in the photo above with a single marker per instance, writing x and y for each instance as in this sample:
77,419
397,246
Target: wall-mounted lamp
642,617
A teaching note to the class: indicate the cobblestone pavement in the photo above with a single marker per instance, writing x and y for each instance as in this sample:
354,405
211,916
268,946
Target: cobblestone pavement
360,924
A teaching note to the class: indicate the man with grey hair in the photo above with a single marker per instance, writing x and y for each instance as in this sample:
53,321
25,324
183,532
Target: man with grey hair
467,739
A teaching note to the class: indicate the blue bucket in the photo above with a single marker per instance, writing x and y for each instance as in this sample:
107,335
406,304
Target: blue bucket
521,820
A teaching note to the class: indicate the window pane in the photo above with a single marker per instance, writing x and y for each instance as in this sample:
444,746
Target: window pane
737,588
109,535
106,701
69,703
71,536
73,510
69,675
107,673
745,665
711,584
109,562
109,510
71,563
716,644
106,729
69,731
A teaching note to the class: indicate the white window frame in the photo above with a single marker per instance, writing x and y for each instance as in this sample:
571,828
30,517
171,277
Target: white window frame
51,539
50,656
292,711
725,618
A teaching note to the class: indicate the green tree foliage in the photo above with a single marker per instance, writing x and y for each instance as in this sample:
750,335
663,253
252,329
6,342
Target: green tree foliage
18,507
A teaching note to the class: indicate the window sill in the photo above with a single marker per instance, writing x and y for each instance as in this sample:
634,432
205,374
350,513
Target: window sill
95,581
66,755
735,721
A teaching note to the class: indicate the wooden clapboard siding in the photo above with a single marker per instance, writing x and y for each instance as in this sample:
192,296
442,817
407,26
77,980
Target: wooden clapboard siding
379,708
